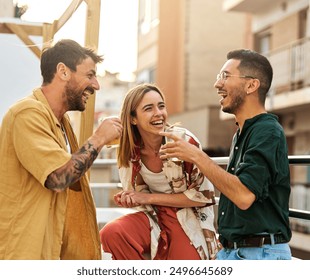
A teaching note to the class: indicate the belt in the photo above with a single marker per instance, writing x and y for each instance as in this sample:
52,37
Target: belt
256,241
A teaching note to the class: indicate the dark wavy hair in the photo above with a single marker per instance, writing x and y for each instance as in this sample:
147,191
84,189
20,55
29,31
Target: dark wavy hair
68,52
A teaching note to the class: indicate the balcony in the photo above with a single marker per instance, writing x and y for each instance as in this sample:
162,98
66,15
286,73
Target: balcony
299,217
290,86
249,6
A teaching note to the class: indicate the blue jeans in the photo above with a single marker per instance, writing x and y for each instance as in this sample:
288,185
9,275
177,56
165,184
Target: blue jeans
266,252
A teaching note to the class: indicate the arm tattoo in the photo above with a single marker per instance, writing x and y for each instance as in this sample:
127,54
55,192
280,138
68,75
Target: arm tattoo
80,162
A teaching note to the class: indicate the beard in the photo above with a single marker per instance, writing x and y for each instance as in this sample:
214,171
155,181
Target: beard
74,98
237,99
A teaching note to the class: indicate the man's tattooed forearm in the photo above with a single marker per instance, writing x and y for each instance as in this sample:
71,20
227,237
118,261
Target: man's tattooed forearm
84,158
80,162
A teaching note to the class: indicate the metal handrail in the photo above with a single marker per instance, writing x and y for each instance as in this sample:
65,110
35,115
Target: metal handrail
299,159
293,159
299,214
105,185
99,162
303,159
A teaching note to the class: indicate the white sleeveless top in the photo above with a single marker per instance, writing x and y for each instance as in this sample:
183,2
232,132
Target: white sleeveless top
157,182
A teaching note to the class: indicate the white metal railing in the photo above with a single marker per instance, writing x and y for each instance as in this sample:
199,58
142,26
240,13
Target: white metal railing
291,66
300,217
294,160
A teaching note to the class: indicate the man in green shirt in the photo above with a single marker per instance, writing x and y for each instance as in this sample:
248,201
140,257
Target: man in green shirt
253,211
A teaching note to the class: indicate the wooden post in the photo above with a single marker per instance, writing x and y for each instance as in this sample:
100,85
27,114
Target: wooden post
91,40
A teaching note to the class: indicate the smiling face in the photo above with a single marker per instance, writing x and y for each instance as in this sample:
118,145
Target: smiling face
233,89
151,114
81,85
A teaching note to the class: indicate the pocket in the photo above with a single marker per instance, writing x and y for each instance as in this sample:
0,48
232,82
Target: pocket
267,252
240,254
256,253
278,252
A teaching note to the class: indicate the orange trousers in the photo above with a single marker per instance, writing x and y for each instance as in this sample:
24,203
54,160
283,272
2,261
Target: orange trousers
128,237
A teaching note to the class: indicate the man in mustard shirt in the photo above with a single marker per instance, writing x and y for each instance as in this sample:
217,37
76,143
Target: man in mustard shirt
47,210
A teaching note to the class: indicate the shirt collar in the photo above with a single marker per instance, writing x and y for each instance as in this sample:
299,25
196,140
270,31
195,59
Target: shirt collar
249,122
39,95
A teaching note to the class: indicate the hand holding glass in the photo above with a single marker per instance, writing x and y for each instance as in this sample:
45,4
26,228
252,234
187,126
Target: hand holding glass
115,142
177,131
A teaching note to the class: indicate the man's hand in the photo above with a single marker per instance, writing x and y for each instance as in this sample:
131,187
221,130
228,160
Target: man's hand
109,129
178,148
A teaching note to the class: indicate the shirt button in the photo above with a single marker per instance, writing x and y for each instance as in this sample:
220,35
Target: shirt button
236,148
222,213
233,168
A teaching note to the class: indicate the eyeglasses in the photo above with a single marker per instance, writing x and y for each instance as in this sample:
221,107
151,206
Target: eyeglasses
223,76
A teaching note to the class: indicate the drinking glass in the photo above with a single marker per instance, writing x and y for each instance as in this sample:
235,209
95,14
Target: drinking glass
114,143
177,131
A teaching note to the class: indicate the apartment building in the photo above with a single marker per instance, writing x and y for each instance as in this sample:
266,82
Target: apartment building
182,45
280,30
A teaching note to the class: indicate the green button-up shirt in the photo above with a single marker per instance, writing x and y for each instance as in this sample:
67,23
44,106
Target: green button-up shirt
259,158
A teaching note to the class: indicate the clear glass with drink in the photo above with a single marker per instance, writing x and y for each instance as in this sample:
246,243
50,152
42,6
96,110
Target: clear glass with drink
177,131
115,142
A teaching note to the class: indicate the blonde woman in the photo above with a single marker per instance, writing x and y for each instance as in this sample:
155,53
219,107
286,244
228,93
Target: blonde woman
174,200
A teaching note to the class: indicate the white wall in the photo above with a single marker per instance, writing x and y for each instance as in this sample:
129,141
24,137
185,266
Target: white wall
19,71
196,121
6,8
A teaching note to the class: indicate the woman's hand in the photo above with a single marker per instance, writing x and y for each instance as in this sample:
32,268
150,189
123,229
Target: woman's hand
124,199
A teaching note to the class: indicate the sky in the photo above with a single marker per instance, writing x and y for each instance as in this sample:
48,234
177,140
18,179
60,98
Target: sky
20,69
117,34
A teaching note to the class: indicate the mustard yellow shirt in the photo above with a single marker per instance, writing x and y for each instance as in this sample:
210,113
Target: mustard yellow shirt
35,221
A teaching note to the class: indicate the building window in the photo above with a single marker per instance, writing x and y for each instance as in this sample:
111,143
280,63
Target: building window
147,76
262,42
303,23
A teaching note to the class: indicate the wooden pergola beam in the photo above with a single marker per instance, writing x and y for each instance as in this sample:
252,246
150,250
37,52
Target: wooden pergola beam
57,24
31,30
23,35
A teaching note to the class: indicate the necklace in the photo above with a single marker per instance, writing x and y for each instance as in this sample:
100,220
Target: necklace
151,151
